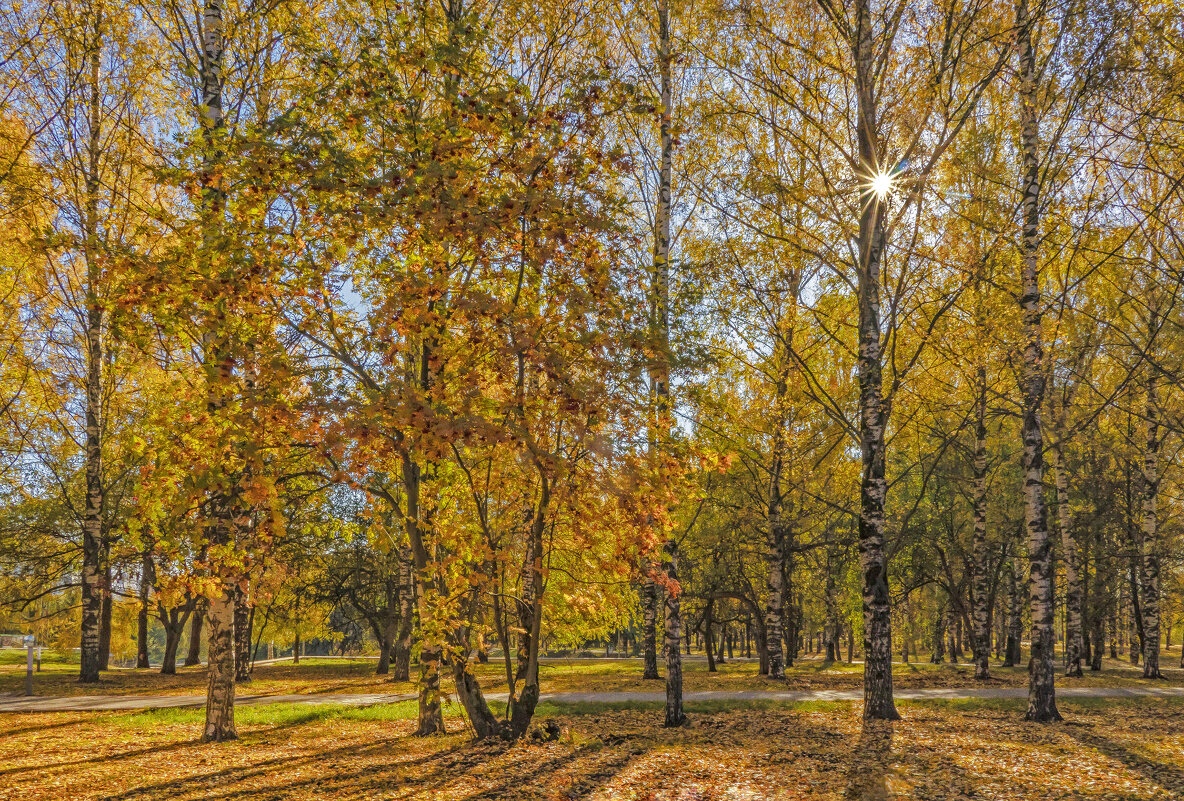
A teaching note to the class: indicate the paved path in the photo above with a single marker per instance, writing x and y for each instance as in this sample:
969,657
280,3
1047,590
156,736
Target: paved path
124,703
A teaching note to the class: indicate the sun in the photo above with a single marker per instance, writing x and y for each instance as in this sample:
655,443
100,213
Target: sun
881,184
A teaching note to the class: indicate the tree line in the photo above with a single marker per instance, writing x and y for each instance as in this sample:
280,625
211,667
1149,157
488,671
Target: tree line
458,325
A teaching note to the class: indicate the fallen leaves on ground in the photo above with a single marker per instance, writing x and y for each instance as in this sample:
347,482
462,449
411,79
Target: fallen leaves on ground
1127,750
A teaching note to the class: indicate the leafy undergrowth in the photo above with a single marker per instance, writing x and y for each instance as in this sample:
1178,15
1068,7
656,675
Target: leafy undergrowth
949,751
322,676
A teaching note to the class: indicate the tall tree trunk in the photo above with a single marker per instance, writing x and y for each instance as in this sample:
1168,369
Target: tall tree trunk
92,518
649,635
1015,615
877,605
674,712
522,704
108,608
1099,604
386,638
831,627
1042,706
1135,616
146,570
221,646
243,614
402,646
1073,594
980,583
776,531
774,568
173,622
952,649
193,655
938,655
172,640
790,610
431,652
1151,538
660,369
219,724
708,636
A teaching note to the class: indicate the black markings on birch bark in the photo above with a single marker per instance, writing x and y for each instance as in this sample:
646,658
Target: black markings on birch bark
649,604
981,580
660,371
1151,537
1042,705
877,606
93,574
1073,630
219,724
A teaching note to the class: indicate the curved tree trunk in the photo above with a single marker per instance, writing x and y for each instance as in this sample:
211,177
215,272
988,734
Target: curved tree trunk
174,626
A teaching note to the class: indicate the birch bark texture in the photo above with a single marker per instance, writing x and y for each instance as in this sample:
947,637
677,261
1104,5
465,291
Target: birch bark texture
219,725
981,611
660,371
1151,538
877,605
1042,705
93,574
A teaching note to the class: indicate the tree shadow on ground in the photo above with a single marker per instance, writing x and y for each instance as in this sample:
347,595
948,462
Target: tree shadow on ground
498,768
1169,777
207,785
867,778
577,767
46,727
101,759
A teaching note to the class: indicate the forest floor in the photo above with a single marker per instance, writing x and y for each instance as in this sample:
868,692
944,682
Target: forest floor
953,751
1113,749
354,676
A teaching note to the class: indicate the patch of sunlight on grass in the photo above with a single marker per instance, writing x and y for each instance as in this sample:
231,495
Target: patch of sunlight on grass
271,715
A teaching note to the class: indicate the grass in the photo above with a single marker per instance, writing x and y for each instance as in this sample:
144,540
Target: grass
324,676
950,750
269,715
1108,749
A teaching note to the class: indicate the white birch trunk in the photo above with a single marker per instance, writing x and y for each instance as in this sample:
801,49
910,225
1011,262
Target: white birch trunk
1041,672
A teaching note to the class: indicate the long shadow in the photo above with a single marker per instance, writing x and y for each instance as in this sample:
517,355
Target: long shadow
426,774
105,758
1167,776
48,726
501,770
603,775
867,779
268,767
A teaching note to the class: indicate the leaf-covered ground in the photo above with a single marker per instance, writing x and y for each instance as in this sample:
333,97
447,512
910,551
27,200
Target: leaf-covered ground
948,751
580,675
